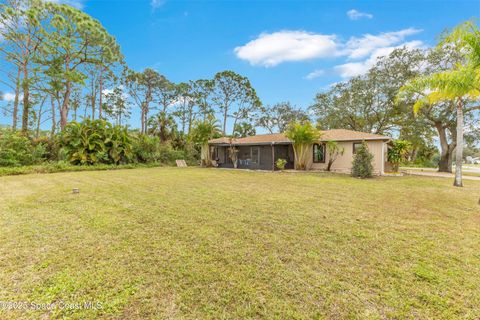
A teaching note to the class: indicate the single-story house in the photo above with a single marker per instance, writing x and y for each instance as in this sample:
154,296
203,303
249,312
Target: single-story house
260,152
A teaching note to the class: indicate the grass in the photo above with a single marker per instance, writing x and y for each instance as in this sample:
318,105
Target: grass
170,243
60,166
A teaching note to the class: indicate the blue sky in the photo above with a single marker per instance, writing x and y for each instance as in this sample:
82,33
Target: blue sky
195,39
290,50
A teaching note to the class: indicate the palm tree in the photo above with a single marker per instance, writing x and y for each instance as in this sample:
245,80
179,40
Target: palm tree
201,133
303,136
163,125
460,85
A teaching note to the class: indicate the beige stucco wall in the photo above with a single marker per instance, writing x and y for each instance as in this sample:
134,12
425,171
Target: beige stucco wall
344,162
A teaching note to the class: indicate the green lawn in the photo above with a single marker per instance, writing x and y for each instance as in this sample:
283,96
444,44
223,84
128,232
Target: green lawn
170,243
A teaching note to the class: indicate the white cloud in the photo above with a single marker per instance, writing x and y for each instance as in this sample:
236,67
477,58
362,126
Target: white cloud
315,74
365,45
361,53
79,4
157,3
356,15
353,69
271,49
10,97
108,91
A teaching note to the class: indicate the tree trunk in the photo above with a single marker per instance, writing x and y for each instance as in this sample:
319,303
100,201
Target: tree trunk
39,120
17,100
54,122
26,102
445,163
190,119
225,113
234,125
64,107
142,119
147,109
101,95
329,166
93,98
459,152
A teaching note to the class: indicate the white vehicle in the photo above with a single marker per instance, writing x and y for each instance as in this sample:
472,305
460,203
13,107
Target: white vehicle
471,160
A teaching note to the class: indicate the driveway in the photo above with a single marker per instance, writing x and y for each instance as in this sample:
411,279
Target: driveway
433,173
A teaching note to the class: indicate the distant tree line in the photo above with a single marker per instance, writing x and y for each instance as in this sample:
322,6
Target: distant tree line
63,66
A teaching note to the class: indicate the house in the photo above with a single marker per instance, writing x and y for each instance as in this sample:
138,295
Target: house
261,151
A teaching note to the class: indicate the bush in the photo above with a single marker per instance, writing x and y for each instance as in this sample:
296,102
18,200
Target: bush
146,148
18,150
50,147
398,152
362,163
281,163
96,141
149,149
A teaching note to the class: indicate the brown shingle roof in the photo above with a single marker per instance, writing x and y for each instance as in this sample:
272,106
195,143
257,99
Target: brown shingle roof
280,138
350,135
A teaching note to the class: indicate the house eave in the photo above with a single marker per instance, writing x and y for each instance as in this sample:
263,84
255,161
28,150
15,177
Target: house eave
221,144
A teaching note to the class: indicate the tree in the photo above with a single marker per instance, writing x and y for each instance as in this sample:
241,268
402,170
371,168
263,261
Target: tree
244,129
302,135
117,105
233,152
185,106
73,40
166,95
201,93
460,85
141,87
398,152
276,118
235,97
22,37
202,132
368,103
163,125
334,150
441,115
362,162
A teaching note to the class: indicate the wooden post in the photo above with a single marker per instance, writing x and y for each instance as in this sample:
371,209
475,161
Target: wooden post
273,156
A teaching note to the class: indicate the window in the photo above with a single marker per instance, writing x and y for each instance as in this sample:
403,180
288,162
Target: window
318,153
356,146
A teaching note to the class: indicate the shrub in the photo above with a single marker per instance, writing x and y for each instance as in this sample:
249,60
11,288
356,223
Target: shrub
96,141
149,149
281,163
50,147
18,150
398,152
118,144
362,163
